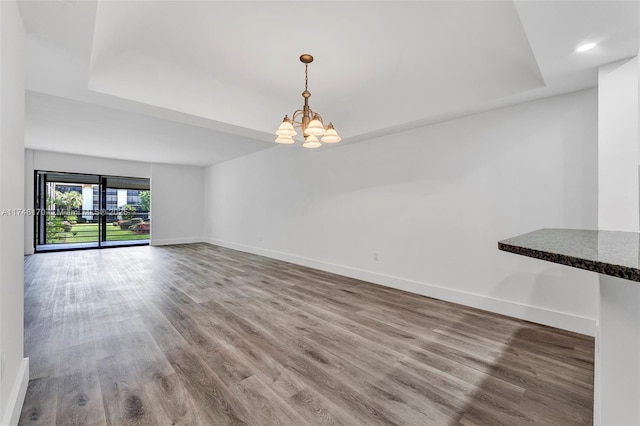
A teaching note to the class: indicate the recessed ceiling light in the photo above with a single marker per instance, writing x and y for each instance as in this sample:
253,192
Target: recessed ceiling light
585,47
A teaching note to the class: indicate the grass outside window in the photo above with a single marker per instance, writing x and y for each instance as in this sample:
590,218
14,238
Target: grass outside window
89,232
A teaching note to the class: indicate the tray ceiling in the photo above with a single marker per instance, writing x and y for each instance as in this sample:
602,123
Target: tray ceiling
380,67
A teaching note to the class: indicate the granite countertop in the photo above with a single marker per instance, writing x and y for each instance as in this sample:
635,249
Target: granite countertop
606,252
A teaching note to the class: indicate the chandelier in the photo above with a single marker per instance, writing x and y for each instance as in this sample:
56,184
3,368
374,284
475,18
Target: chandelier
309,122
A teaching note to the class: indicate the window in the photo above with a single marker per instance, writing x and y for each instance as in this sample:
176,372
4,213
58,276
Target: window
81,211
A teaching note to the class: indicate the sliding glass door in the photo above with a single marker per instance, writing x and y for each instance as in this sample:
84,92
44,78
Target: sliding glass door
66,210
90,211
128,210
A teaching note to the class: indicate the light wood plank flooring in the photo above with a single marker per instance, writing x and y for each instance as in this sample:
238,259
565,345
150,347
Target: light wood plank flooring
202,335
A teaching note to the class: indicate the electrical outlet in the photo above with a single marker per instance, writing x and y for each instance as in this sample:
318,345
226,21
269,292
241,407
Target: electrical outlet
376,258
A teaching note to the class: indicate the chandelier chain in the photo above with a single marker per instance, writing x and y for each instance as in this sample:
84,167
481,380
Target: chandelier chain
306,76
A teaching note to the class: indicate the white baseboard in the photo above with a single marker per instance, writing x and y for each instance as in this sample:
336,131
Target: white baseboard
16,398
535,314
165,242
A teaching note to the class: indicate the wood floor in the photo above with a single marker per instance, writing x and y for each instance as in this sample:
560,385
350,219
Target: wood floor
201,335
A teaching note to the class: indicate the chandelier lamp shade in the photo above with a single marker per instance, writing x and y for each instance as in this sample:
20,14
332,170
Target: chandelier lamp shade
310,123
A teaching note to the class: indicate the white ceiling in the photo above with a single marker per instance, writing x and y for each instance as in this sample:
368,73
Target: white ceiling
232,68
52,122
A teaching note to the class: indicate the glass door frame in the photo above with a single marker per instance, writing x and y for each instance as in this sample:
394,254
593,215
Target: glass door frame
41,208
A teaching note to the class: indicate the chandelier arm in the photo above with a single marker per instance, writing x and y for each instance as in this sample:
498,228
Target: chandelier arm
294,118
301,112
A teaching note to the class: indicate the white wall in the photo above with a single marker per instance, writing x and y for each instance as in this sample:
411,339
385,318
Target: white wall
176,192
617,372
177,207
618,109
430,204
14,369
